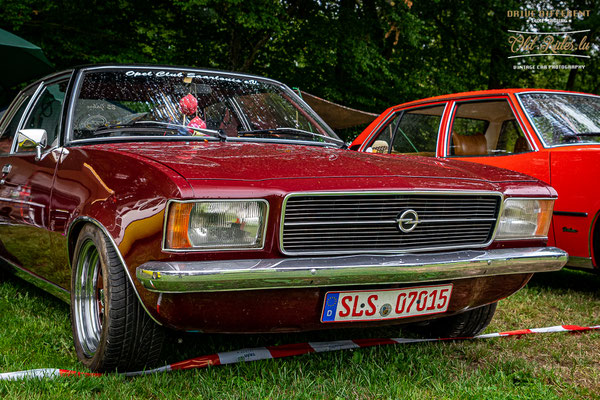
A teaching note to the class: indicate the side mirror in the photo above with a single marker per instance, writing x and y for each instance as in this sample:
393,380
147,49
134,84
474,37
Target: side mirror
30,139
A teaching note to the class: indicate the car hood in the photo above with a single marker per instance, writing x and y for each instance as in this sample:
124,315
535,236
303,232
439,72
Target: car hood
252,162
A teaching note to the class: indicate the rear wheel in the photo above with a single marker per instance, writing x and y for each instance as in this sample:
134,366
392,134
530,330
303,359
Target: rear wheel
111,330
467,324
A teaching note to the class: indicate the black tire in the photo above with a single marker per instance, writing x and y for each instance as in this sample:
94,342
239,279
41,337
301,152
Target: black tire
467,324
111,330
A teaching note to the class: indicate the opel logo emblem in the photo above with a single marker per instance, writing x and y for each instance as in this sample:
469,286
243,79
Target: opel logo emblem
408,221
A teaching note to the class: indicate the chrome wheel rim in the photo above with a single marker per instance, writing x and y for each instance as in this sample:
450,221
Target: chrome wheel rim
88,299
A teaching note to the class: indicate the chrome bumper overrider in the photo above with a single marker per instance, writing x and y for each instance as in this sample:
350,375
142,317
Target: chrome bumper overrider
225,275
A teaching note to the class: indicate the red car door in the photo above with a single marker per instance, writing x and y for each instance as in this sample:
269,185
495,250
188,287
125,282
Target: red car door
27,185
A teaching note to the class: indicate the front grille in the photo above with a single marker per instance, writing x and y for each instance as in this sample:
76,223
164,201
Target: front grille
331,223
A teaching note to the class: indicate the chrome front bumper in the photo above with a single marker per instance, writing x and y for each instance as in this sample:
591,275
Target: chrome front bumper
227,275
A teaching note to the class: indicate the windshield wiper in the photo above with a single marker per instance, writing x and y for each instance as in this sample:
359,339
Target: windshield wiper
293,131
210,132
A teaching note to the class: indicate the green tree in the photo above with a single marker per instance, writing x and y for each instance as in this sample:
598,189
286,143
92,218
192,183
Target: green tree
367,54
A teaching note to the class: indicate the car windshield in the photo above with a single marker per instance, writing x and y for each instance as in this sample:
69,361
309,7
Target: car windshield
139,103
563,118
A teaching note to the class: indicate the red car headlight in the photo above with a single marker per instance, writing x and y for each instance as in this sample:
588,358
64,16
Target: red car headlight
216,224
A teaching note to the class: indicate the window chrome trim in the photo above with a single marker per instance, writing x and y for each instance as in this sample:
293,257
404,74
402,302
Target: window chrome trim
526,132
54,79
166,249
32,100
378,130
398,251
450,121
537,132
124,67
71,110
441,129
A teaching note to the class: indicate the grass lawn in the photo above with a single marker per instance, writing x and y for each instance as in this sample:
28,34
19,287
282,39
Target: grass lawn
35,332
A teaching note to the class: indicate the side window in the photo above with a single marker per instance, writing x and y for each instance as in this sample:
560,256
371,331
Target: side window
12,123
417,132
47,111
486,128
414,131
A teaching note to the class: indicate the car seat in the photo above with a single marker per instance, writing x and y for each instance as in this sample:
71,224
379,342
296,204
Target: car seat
469,145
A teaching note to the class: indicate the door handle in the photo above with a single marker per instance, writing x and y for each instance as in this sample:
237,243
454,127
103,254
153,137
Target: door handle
5,171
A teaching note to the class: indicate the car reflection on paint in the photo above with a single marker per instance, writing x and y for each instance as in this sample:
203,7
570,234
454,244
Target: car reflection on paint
197,200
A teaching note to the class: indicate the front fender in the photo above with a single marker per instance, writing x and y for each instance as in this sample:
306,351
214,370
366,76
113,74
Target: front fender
121,194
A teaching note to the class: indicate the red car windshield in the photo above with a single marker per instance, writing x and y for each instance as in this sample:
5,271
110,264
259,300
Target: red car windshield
563,118
128,103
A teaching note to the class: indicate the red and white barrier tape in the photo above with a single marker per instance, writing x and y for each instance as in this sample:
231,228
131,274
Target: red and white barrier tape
286,350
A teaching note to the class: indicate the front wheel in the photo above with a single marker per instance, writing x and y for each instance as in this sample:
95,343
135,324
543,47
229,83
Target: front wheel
467,324
111,330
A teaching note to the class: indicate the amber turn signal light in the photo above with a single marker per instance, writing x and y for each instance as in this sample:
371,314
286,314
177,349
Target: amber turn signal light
544,217
178,222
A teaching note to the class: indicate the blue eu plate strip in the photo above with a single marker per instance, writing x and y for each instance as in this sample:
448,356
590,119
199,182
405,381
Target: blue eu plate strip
331,302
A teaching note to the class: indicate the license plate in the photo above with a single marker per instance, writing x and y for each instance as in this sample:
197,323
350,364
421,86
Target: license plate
377,305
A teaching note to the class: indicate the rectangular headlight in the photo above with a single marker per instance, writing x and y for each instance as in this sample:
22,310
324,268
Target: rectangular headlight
216,224
525,219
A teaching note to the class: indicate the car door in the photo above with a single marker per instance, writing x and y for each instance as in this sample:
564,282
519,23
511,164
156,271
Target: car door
27,183
488,131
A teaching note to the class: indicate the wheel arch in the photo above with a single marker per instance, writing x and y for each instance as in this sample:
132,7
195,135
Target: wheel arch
73,233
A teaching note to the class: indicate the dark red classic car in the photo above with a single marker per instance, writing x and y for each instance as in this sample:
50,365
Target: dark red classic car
154,197
552,135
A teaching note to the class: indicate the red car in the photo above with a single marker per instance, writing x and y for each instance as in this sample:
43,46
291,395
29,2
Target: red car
549,134
154,197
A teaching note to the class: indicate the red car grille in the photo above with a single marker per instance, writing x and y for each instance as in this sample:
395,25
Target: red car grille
357,223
